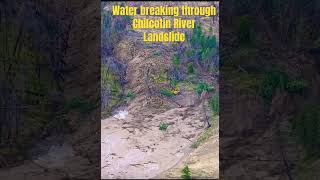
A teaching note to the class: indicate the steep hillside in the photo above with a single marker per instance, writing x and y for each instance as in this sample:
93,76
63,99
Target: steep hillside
269,90
54,75
157,114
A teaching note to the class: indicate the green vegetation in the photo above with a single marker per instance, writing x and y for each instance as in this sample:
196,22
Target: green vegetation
128,19
170,92
203,46
278,80
296,86
176,61
168,86
191,79
111,85
131,30
200,53
111,30
186,173
27,81
203,138
131,95
174,83
206,134
189,53
265,84
244,33
307,127
80,104
214,104
243,80
166,92
157,53
163,126
12,153
161,77
317,43
199,39
190,86
190,68
305,170
203,86
272,80
245,58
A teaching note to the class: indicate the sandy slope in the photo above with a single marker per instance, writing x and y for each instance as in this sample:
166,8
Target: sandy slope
203,162
58,162
134,147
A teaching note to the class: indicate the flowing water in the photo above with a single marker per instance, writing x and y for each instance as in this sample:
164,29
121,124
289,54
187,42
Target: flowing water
134,147
51,158
121,113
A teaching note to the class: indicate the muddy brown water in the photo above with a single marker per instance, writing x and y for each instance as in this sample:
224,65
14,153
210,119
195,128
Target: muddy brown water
52,158
130,151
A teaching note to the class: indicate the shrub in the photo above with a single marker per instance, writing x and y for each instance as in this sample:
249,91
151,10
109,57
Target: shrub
248,53
176,90
203,86
197,36
296,86
276,79
131,95
214,104
317,43
189,53
128,19
243,30
163,126
112,29
115,88
190,68
157,53
161,77
207,53
307,126
202,47
176,61
108,80
210,42
110,88
186,174
12,153
272,80
80,104
205,135
166,92
174,83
